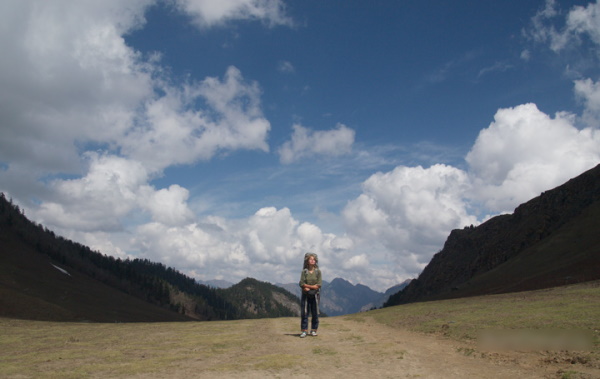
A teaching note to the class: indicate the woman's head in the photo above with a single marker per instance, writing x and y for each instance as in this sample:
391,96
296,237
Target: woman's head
311,259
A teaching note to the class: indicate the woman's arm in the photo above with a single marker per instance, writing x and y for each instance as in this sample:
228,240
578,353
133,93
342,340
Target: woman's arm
302,282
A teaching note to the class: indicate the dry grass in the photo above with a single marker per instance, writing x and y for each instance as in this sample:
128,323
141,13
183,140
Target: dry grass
38,349
575,307
76,350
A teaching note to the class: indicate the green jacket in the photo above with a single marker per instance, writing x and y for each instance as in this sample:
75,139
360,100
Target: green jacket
311,279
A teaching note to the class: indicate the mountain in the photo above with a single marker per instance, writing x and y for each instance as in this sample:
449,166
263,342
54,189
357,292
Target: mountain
47,277
260,299
551,240
340,297
33,286
293,288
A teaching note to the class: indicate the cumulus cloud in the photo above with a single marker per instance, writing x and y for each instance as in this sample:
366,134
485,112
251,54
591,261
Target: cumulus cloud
409,211
172,130
356,262
269,244
306,142
68,78
98,200
524,152
206,13
588,92
168,205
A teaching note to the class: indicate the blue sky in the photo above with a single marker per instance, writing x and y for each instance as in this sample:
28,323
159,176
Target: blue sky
227,138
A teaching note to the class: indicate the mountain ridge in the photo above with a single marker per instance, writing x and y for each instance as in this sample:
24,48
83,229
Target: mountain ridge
549,240
47,277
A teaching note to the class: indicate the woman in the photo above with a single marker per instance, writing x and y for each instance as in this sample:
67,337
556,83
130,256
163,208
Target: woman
310,282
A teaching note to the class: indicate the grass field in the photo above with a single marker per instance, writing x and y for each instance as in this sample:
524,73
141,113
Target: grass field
35,349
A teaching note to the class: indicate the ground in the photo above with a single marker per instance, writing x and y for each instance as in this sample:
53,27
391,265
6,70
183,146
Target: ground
347,347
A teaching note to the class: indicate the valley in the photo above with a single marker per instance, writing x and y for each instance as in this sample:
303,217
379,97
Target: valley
428,340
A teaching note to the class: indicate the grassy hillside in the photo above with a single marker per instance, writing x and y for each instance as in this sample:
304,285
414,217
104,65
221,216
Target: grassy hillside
570,307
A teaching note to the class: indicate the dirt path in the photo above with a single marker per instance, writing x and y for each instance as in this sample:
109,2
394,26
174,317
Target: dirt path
350,349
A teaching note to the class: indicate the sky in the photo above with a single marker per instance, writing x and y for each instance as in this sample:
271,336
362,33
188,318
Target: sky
227,138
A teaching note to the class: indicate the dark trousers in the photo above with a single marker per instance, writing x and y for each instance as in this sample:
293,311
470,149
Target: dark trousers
309,304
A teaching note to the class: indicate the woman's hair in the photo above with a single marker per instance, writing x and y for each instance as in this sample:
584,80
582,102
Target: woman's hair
307,257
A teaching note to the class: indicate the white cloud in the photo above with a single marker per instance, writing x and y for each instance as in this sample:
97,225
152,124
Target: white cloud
98,200
175,131
271,233
540,31
68,78
269,244
581,22
112,190
71,84
356,262
207,13
167,206
524,152
306,142
185,247
589,92
70,81
409,211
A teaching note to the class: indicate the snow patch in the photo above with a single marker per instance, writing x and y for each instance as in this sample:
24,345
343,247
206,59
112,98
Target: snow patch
61,270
